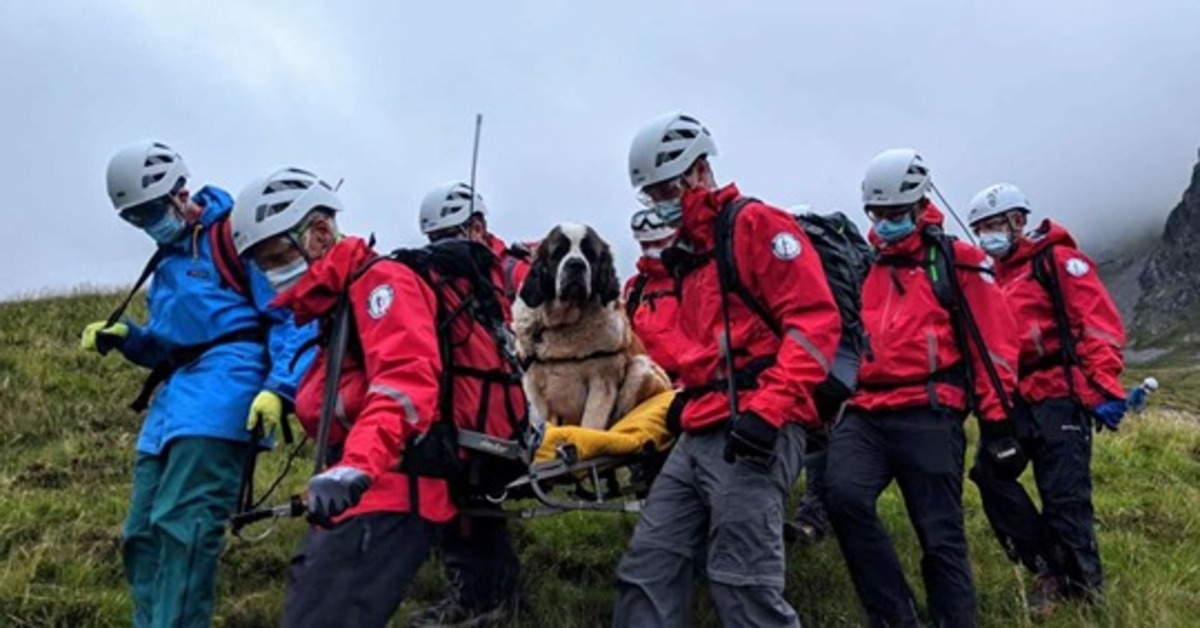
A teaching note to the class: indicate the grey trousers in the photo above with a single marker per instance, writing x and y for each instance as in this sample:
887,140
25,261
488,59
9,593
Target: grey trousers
727,519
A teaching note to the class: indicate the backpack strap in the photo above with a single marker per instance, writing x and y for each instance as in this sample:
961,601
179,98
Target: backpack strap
635,295
944,277
1046,274
727,263
229,264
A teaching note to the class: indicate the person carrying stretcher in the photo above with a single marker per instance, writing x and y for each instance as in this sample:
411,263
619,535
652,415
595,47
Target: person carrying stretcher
422,349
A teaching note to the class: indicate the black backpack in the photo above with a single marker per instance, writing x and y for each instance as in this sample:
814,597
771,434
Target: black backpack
846,257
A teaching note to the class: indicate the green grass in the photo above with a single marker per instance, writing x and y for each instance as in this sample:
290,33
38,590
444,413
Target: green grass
66,450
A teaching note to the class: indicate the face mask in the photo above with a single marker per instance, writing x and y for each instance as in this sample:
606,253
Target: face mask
283,278
167,229
996,243
895,230
653,252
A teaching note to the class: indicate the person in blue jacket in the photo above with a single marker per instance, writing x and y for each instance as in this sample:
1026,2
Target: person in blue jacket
223,359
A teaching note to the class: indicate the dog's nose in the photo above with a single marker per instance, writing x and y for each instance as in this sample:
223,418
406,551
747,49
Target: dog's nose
575,265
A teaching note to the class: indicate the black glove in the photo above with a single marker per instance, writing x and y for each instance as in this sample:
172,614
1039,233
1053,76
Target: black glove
751,436
999,441
334,492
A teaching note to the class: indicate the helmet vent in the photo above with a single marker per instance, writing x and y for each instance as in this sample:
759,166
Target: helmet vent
667,156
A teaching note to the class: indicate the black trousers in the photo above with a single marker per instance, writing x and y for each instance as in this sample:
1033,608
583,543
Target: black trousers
357,573
480,563
922,450
1061,539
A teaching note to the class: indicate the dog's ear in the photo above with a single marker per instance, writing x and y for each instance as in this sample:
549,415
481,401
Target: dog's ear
538,286
605,282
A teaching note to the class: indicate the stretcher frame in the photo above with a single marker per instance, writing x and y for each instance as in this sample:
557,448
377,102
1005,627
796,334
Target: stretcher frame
617,484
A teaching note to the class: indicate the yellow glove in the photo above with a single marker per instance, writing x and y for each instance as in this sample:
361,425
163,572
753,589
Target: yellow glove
266,410
87,340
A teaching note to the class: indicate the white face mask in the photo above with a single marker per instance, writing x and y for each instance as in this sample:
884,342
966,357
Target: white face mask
996,243
653,252
283,278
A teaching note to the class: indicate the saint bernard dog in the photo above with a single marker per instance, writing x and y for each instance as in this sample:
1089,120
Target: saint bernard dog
585,365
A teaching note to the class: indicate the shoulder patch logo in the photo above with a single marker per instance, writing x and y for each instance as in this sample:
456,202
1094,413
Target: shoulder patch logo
1076,267
380,301
785,246
988,272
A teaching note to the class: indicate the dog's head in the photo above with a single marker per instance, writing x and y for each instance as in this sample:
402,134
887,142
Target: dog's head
573,266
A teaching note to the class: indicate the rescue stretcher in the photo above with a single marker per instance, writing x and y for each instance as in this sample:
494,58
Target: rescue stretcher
570,469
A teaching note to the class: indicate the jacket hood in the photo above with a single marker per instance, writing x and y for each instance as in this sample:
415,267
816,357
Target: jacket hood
318,290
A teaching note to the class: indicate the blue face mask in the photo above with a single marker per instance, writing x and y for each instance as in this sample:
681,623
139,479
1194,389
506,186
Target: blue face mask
895,230
167,229
996,243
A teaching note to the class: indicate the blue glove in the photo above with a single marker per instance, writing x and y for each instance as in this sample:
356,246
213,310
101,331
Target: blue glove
1109,414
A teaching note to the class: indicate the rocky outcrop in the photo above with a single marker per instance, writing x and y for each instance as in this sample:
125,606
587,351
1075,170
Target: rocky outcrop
1170,280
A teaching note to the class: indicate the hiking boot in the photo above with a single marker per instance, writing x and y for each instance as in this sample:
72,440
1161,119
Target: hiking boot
1048,591
449,613
808,527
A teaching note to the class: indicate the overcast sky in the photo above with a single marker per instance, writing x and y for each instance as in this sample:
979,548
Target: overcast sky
1092,107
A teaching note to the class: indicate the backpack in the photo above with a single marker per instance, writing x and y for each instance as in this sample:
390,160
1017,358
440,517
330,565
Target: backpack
846,257
436,453
229,264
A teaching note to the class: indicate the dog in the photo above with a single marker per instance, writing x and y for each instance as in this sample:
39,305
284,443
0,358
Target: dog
585,366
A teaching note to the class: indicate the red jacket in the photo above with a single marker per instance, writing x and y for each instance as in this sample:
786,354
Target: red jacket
1096,324
389,390
391,394
910,337
511,270
654,319
778,265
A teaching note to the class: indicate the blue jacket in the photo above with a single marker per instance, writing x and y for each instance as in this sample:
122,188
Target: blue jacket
190,306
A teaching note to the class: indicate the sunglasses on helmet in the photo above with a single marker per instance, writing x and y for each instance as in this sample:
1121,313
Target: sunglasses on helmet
646,219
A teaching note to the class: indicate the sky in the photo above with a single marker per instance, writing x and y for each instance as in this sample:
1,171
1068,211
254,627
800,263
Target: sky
1093,108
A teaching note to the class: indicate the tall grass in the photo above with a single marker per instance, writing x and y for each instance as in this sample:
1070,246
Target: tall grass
66,452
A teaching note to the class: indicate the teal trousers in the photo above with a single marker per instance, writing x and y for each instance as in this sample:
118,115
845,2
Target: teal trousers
175,532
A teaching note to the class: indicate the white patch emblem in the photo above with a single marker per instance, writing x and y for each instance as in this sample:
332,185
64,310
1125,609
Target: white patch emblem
785,246
380,301
1077,267
988,275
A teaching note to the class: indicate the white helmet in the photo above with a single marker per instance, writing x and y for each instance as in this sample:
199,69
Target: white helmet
143,172
995,200
895,177
273,205
666,147
648,226
1150,383
448,206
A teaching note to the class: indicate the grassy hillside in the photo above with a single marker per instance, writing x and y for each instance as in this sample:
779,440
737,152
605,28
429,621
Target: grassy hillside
66,450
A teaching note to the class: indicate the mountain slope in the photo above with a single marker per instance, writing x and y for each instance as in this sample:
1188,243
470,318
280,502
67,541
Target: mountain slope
66,455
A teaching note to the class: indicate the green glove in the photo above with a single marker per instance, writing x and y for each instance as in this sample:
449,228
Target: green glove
115,334
266,411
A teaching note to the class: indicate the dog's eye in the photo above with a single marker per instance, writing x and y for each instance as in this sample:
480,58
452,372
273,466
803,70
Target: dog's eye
588,248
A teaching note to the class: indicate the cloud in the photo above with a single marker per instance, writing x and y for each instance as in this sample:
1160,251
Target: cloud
1090,107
